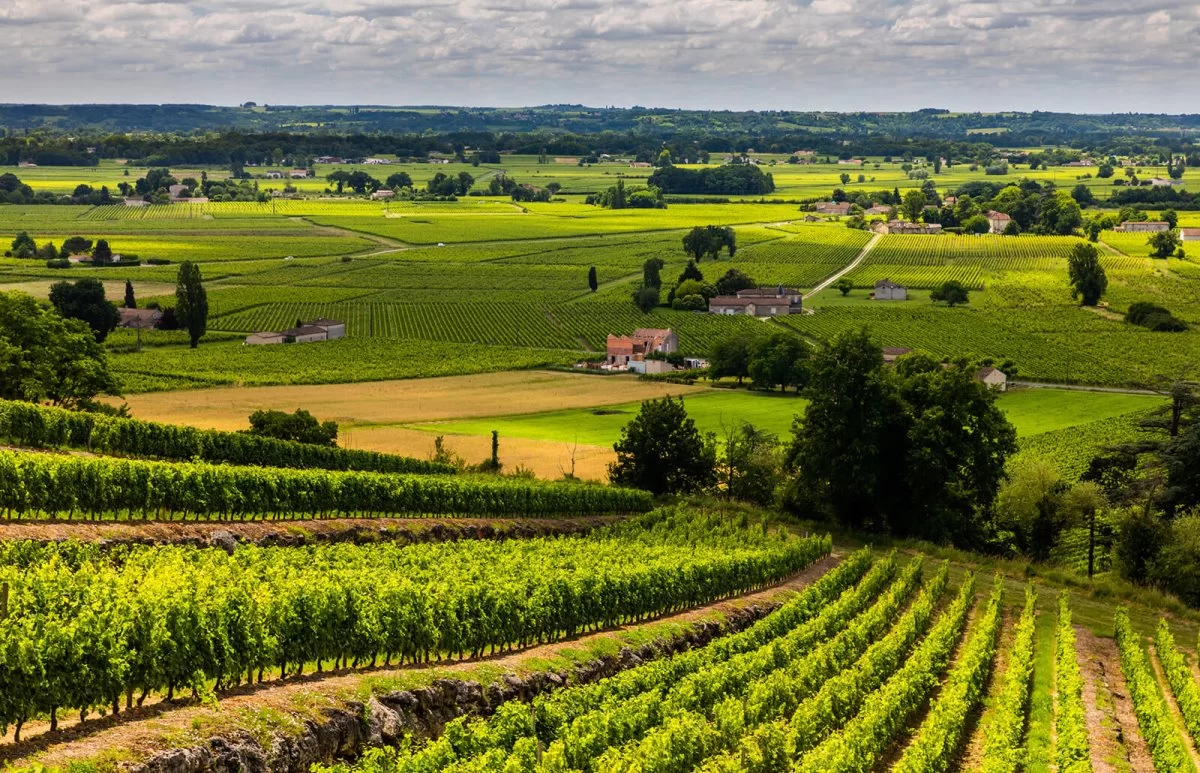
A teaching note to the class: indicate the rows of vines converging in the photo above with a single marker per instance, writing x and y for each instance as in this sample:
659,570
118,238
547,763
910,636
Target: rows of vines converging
38,485
829,682
86,630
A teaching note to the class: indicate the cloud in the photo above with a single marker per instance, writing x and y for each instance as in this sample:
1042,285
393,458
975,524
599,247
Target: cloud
1095,55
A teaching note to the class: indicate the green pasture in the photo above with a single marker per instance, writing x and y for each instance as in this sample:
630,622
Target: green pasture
1032,412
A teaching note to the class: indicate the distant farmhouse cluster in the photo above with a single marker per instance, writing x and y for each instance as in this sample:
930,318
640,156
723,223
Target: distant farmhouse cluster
308,332
647,350
993,378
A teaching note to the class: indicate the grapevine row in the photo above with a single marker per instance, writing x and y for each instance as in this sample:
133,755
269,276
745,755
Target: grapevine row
1004,729
937,741
84,635
1071,751
1179,676
27,424
1154,718
104,488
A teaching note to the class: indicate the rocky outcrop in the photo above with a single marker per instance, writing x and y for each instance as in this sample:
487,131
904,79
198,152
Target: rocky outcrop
386,719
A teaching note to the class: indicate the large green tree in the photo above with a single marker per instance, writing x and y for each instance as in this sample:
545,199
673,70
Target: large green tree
1088,280
1164,243
661,451
780,360
191,302
84,300
300,426
46,357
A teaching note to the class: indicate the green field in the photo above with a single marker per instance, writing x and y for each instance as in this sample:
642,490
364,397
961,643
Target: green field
1032,412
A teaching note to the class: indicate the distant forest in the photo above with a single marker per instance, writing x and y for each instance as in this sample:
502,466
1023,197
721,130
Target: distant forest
203,134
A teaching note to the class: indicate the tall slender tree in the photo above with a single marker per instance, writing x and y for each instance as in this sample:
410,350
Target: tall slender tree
191,302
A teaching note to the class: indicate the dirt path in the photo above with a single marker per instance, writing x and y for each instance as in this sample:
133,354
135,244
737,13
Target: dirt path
161,726
1113,735
298,532
1176,715
972,754
846,269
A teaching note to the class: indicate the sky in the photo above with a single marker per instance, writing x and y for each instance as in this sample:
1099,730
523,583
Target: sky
1097,56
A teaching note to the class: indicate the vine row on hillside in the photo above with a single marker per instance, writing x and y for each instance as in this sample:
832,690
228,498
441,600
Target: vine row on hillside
32,485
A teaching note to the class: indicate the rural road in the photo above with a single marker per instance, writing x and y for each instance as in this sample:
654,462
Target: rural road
845,270
1081,388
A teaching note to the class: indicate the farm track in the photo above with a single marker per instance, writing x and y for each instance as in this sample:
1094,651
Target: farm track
1113,734
161,726
862,255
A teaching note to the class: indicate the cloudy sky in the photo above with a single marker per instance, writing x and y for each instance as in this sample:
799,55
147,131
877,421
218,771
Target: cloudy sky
1080,55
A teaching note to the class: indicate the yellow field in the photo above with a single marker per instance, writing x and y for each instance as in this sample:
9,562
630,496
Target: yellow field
114,289
391,403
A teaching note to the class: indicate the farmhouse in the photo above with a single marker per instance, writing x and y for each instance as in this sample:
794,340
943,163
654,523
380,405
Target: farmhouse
758,302
833,208
640,164
298,174
274,175
878,209
812,219
851,161
329,160
1189,234
139,318
176,191
643,341
893,353
993,378
317,330
887,290
998,221
1163,182
905,227
383,193
1147,227
376,161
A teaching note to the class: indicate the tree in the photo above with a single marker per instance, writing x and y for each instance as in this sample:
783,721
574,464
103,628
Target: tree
1170,217
952,292
845,178
730,358
845,450
646,298
1105,171
1083,195
76,245
593,283
339,178
1176,167
749,465
977,224
1030,504
23,246
1164,243
690,271
843,286
102,253
650,273
780,360
399,180
130,300
46,357
734,280
661,451
84,300
1088,280
1181,459
913,205
300,427
191,302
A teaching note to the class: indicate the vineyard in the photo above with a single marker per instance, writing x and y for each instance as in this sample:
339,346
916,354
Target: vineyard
34,485
884,663
170,618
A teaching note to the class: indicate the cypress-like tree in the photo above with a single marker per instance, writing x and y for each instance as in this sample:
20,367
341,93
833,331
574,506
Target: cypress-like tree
130,300
191,302
593,283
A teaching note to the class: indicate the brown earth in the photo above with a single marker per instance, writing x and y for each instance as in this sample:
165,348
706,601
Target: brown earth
283,532
299,702
1112,729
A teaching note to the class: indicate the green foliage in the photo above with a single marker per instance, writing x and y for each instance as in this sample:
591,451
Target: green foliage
1163,243
191,302
1154,317
732,179
952,293
1088,280
39,485
1004,730
1154,718
709,240
1179,677
1071,752
84,300
734,280
161,618
41,426
299,427
661,451
779,360
45,357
